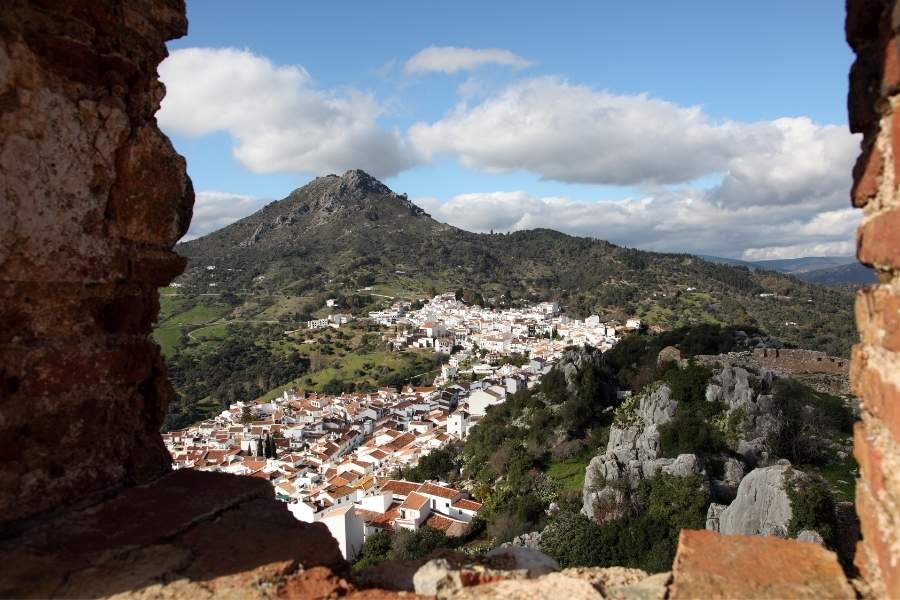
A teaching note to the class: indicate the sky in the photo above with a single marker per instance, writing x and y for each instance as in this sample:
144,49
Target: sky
706,127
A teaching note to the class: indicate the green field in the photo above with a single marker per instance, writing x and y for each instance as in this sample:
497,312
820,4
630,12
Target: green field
173,321
569,473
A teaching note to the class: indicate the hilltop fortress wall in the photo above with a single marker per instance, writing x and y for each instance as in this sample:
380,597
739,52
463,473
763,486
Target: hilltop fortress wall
800,361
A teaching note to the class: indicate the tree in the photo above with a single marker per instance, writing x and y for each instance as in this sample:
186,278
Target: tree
246,415
268,446
259,447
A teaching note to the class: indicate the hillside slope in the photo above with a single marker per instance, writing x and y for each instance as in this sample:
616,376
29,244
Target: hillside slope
345,233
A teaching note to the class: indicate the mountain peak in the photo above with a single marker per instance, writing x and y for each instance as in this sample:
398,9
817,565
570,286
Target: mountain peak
333,200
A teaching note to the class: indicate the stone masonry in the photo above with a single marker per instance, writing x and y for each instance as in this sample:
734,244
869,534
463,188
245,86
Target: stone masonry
92,199
872,31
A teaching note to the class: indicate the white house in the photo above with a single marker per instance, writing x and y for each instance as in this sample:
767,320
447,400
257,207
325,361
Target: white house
458,424
481,399
413,512
347,528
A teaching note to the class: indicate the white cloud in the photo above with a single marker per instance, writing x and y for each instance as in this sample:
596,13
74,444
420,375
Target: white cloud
683,221
576,134
214,210
279,120
451,59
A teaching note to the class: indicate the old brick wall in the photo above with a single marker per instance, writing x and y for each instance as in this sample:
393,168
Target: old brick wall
800,361
874,110
92,199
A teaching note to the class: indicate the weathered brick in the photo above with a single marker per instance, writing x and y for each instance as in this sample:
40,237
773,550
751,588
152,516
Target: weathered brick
877,542
865,78
862,21
152,199
869,459
879,397
878,317
877,240
710,565
867,174
890,78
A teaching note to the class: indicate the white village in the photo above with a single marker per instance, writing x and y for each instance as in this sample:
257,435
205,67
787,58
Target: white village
339,459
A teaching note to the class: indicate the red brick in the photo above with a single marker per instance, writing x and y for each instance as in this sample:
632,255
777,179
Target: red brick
890,79
867,175
709,565
880,398
878,240
877,547
878,317
869,459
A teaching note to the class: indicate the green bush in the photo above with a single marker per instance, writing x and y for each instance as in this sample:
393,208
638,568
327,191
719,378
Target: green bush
646,541
812,505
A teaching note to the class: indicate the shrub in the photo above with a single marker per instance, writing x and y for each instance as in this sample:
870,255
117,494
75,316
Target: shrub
647,540
812,505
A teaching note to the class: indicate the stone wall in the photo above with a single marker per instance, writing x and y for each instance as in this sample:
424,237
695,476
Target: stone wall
874,98
92,199
800,361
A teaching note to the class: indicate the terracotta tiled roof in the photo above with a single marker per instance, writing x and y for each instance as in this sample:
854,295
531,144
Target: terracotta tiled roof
400,488
414,501
438,490
466,504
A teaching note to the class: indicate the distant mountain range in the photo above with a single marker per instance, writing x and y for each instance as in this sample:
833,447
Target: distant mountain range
826,270
351,234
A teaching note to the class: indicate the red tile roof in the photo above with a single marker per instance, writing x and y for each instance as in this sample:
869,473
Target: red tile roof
466,504
438,490
400,488
414,501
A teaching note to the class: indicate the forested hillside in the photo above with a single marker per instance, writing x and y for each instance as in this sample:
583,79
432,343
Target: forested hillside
352,235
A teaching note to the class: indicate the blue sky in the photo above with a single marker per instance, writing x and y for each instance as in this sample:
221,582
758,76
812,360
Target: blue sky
667,126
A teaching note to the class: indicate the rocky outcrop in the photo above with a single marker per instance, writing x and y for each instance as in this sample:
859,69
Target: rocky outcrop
190,534
761,507
632,455
751,410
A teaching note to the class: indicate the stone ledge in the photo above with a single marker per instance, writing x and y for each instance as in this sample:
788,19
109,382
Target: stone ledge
709,565
190,534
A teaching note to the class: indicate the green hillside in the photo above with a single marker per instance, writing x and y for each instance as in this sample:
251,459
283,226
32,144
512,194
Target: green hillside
345,234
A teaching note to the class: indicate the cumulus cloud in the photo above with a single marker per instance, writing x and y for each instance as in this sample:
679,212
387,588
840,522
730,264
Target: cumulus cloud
683,221
576,134
451,59
214,210
279,119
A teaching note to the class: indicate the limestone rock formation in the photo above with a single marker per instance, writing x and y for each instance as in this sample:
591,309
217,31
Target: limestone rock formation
535,562
632,455
761,507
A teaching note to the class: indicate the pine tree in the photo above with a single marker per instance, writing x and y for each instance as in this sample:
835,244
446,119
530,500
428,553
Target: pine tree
268,446
259,447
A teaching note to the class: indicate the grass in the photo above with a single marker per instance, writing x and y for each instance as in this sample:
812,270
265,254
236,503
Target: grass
198,315
841,477
174,321
210,332
166,338
569,473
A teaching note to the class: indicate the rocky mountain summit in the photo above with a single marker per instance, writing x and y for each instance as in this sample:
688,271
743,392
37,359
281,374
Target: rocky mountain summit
330,200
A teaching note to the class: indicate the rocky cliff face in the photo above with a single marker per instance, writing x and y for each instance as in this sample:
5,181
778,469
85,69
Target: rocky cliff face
761,507
632,455
331,200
